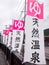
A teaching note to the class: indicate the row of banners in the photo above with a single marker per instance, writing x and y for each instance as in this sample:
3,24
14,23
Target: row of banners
34,35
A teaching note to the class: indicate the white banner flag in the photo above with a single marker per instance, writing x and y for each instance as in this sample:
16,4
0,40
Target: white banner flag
34,40
9,45
5,36
9,40
18,35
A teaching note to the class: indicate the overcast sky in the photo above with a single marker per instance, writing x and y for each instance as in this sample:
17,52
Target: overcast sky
10,9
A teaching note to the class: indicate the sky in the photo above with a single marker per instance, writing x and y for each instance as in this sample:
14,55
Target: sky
11,9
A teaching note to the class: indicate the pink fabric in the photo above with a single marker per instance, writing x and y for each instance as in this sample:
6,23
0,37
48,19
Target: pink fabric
18,24
34,9
6,32
11,28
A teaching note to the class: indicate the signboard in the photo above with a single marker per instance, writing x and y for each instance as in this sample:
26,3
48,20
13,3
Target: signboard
34,40
10,37
5,36
17,35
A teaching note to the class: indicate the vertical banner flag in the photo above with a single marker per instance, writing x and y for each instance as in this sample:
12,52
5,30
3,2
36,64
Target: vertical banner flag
17,35
5,37
10,37
34,40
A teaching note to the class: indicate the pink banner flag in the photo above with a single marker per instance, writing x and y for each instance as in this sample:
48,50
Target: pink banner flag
6,32
18,24
35,9
11,28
